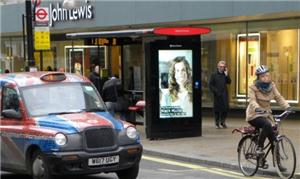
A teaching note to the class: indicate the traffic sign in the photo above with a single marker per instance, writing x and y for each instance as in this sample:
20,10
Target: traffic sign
41,38
42,16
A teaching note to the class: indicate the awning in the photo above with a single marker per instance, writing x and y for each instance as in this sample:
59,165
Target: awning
171,31
118,33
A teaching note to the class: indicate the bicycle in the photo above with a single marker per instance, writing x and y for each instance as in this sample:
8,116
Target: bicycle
284,155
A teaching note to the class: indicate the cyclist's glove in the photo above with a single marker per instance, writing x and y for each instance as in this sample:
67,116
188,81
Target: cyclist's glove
260,111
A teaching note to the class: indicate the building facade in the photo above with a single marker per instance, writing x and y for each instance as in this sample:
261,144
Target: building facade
245,34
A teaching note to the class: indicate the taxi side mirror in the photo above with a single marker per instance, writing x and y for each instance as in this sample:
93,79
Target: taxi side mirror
11,113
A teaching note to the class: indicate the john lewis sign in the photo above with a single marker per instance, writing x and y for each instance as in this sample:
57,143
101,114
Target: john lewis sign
60,14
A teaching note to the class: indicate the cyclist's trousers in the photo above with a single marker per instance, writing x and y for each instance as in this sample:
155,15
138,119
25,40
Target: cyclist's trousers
266,130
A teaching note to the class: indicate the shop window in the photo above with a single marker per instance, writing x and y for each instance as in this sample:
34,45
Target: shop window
272,43
12,55
221,44
279,50
242,63
45,60
282,56
82,59
74,62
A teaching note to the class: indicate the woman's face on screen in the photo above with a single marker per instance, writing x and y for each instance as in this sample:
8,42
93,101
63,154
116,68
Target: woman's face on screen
180,73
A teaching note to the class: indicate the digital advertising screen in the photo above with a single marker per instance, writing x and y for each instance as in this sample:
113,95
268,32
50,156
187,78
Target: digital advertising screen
173,87
175,83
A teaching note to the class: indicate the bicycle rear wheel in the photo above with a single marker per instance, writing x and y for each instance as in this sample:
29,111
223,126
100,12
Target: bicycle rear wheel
285,157
247,158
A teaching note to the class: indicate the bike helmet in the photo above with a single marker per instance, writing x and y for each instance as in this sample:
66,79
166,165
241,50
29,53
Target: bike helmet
261,70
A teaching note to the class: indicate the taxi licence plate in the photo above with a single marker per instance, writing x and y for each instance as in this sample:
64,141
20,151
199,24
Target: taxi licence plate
103,160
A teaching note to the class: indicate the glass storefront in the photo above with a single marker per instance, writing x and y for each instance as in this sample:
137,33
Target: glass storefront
253,43
133,67
272,43
280,51
82,59
244,45
56,57
220,44
12,54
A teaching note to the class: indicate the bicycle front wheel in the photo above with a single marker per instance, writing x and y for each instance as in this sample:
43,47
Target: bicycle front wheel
247,158
285,157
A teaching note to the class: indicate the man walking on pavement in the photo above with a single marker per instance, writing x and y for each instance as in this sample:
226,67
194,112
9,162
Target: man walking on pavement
218,85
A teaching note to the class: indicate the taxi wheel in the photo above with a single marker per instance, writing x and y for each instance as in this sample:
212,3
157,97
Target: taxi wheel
130,173
39,167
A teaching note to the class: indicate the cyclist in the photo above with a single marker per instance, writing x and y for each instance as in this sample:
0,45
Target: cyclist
258,113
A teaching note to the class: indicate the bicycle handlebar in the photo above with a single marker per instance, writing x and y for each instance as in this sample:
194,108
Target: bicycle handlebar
283,115
277,118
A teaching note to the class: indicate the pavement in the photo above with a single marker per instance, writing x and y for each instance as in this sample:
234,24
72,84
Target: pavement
216,147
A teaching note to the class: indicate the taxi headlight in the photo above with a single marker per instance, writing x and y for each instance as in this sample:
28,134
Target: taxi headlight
131,132
60,139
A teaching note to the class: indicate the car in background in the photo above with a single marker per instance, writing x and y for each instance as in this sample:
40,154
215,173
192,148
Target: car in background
55,123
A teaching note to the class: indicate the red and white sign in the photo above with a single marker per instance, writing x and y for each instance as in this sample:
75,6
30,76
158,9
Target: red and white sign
38,2
182,31
42,14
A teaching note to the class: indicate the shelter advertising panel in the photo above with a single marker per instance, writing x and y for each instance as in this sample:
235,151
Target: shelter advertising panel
175,83
173,88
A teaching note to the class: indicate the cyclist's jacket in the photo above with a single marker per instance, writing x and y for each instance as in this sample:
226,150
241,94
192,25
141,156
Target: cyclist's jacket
262,100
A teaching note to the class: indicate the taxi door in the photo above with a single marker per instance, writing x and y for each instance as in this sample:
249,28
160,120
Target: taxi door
11,130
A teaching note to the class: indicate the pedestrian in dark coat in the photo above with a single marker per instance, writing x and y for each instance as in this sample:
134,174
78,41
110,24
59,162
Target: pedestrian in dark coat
96,79
114,98
218,85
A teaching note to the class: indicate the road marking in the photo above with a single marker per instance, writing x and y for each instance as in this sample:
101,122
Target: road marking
165,161
175,171
227,171
236,173
198,167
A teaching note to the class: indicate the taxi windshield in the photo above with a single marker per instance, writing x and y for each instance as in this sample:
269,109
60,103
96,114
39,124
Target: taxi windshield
61,98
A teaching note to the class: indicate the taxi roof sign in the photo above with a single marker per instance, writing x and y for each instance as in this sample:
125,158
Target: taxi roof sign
53,77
